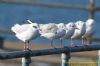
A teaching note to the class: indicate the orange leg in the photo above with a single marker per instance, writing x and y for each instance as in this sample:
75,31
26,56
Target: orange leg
61,43
51,43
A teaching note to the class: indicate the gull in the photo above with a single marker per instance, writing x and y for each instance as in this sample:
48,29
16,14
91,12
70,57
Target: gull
26,32
45,28
70,28
49,31
78,33
88,36
61,32
52,31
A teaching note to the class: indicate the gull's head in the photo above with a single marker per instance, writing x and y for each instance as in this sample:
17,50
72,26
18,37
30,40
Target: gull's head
34,25
71,25
89,22
79,24
61,25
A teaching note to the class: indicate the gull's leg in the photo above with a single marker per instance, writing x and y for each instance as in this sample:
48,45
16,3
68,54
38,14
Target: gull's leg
51,43
27,45
61,43
87,42
72,43
83,42
26,59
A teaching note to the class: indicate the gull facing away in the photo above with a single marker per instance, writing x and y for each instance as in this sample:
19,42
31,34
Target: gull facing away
70,28
88,36
26,32
78,32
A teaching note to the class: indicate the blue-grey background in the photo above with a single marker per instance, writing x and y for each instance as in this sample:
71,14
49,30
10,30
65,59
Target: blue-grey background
13,13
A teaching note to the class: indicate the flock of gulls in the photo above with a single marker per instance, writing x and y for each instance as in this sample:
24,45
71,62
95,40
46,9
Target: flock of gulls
72,31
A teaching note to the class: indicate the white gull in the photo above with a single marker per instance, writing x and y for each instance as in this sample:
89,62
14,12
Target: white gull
49,31
61,32
78,32
26,32
70,28
88,36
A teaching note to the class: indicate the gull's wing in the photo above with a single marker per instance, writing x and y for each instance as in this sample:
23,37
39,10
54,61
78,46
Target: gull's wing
16,28
20,28
51,27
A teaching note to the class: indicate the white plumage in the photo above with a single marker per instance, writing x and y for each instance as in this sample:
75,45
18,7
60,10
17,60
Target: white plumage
52,31
25,32
88,36
78,32
50,27
70,28
49,31
61,32
73,31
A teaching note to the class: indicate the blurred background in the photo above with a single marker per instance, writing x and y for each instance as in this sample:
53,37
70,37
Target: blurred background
45,11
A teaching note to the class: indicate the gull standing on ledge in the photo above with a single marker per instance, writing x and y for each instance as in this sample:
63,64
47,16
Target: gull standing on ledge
52,31
60,32
26,32
70,28
88,36
48,31
78,32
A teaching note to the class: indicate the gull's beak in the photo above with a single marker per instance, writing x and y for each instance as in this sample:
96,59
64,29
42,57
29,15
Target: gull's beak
38,29
76,27
29,21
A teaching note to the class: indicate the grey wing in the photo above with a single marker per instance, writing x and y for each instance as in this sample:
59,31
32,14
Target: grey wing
50,27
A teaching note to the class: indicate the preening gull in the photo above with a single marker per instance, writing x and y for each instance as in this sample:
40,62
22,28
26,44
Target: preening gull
26,32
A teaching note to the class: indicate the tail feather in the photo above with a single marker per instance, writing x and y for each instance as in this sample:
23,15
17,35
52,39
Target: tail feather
16,28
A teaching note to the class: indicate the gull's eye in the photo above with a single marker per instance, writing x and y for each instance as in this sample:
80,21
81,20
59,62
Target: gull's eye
35,26
72,25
